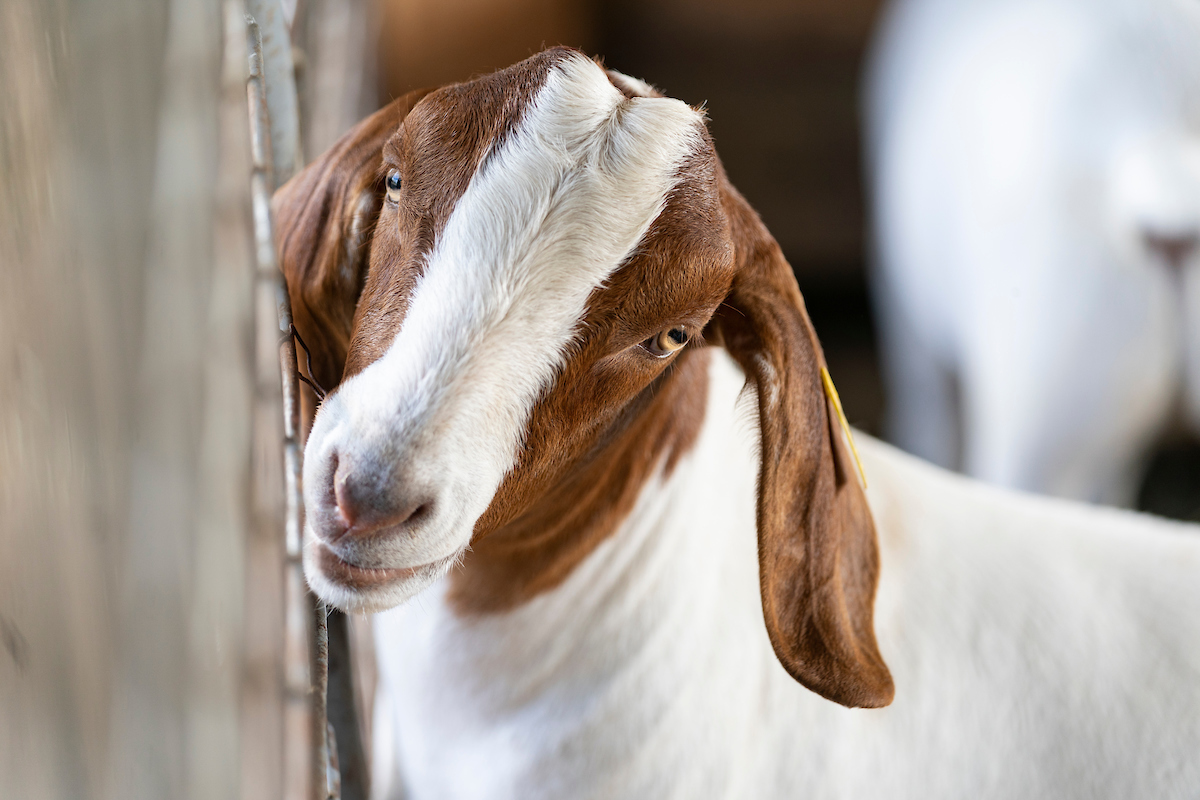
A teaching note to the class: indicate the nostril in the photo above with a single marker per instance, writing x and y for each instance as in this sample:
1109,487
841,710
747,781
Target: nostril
1173,248
347,514
361,511
420,512
403,515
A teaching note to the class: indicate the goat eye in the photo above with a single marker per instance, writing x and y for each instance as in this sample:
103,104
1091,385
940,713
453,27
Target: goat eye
667,342
393,186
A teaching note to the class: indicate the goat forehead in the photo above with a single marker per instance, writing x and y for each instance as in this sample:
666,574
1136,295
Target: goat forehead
561,198
571,191
545,156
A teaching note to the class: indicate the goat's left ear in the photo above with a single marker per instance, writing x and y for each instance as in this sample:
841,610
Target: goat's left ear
324,220
817,551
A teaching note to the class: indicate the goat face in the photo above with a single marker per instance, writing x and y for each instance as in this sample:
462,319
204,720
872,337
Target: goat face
502,277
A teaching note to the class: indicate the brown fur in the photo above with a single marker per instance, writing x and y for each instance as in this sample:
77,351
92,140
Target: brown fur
615,412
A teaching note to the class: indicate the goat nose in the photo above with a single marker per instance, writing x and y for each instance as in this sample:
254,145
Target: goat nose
363,509
1172,248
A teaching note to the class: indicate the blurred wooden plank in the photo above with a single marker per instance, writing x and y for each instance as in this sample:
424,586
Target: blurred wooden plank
124,408
338,80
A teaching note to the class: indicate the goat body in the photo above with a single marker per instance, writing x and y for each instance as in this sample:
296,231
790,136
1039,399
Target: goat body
624,585
1040,649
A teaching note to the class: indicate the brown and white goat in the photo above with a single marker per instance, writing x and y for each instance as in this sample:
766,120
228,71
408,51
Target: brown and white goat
539,299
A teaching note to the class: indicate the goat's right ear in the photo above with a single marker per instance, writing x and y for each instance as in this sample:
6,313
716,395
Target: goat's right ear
324,219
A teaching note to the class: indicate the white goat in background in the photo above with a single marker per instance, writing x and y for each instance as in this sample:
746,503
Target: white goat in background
1036,190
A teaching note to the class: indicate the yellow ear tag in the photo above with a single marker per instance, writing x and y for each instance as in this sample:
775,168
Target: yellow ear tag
831,393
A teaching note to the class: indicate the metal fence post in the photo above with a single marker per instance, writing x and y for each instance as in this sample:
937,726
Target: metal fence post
303,639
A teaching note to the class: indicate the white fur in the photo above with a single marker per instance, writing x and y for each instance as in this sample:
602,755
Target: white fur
542,224
1040,649
1021,150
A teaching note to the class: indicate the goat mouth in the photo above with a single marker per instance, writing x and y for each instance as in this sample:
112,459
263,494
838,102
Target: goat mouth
351,576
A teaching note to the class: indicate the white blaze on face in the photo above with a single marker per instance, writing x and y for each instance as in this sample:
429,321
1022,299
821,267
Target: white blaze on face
551,214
